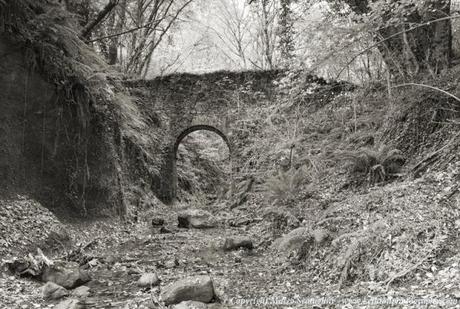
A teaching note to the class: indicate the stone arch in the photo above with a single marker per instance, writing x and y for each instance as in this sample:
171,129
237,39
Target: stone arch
179,139
201,127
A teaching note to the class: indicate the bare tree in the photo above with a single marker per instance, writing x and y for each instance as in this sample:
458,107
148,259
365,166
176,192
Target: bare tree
139,27
286,31
232,30
407,51
266,13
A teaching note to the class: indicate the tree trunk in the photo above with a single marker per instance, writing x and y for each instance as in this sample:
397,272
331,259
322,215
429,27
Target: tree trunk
81,8
266,36
114,42
286,29
424,50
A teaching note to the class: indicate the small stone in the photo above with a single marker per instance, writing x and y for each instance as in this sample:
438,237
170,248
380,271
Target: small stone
199,288
81,292
457,224
69,304
320,235
165,230
294,240
134,271
281,218
68,276
190,304
196,218
235,243
110,259
93,263
158,222
148,280
169,264
53,291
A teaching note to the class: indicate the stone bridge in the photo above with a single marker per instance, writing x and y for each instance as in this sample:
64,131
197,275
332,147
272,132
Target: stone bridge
213,102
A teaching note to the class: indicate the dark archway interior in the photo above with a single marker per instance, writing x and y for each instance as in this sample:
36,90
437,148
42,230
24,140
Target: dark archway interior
202,163
199,128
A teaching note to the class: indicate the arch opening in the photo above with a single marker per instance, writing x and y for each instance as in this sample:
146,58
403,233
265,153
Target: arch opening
195,128
202,159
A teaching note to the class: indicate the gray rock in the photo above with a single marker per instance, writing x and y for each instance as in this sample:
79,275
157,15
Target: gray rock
68,276
148,280
199,288
456,294
292,241
81,292
53,291
165,230
190,304
170,264
69,304
134,271
57,238
281,219
157,222
196,218
235,243
320,236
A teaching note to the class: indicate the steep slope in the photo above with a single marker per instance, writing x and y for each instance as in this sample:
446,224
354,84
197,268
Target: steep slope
70,135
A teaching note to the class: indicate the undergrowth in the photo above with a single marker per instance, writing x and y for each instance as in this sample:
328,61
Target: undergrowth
377,165
284,187
391,233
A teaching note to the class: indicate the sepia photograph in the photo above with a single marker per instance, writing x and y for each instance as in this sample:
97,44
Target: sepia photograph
229,154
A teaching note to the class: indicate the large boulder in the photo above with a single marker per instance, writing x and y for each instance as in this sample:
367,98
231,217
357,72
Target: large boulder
239,242
196,218
68,275
199,288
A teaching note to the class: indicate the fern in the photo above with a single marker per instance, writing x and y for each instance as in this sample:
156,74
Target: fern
377,164
286,185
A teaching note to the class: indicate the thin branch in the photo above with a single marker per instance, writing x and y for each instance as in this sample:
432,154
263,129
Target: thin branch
99,18
147,25
121,33
429,87
172,22
394,35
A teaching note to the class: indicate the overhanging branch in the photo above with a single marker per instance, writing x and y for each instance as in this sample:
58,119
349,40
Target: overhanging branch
99,18
392,36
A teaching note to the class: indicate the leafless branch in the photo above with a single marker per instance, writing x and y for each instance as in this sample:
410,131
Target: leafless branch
99,18
392,36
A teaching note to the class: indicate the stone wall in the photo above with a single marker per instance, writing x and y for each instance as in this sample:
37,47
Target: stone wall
214,102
